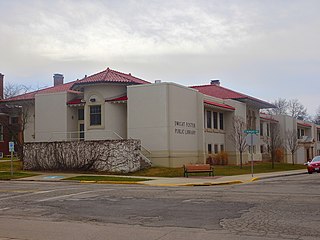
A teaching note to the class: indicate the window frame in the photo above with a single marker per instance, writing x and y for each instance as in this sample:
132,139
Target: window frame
215,120
95,114
221,121
221,147
209,119
216,149
80,115
209,148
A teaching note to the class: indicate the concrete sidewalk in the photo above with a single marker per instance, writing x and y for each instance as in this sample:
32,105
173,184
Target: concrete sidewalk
177,181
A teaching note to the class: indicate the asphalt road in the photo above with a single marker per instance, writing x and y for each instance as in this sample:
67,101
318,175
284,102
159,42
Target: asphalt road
280,208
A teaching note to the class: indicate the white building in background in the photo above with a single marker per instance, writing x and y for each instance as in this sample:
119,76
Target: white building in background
176,124
308,135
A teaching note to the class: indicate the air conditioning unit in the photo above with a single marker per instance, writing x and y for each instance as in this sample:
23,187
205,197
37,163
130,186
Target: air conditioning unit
1,154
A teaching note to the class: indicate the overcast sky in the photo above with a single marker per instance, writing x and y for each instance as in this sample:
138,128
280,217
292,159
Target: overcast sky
267,49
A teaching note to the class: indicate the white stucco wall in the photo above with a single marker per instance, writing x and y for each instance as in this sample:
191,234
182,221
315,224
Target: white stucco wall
168,118
114,115
51,117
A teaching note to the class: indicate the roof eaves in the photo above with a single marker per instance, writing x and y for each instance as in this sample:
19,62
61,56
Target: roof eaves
220,105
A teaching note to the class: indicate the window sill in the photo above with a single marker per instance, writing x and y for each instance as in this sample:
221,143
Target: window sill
210,130
95,127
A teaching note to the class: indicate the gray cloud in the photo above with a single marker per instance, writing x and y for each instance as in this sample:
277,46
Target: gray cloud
265,48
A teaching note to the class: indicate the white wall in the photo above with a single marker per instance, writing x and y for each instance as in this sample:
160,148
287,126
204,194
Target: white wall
114,115
51,117
166,118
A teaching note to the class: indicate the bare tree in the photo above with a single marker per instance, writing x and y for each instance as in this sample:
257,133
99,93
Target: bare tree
238,137
281,107
21,111
276,142
291,107
11,90
316,118
292,143
296,109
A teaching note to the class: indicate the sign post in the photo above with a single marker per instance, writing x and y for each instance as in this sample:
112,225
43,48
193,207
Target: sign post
11,150
251,142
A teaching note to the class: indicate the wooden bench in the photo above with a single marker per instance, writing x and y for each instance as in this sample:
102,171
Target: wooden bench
198,168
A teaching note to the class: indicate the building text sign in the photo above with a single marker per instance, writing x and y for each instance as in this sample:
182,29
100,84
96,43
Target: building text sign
184,128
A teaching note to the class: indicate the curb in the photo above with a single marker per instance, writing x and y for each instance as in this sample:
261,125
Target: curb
194,184
276,176
108,182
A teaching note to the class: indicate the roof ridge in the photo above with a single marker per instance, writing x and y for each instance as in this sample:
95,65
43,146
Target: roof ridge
94,74
106,74
126,75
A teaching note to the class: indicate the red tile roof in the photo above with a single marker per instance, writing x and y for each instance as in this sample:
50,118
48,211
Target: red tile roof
219,105
105,76
124,98
225,93
31,95
110,76
304,124
75,101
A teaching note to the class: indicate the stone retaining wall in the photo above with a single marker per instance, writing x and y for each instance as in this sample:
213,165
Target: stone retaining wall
120,156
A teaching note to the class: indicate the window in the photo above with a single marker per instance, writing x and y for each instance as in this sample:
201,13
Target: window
268,130
215,120
300,133
221,120
252,149
209,125
216,148
318,136
1,132
95,115
261,129
221,148
261,149
14,120
209,148
80,114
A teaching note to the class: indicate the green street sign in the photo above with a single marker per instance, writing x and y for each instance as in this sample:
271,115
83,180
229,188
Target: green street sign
251,131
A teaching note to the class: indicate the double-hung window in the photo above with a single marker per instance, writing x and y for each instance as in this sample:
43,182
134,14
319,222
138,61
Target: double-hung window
95,115
209,119
221,121
215,120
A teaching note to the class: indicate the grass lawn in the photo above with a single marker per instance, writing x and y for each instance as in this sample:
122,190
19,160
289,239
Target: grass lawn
5,170
257,168
16,175
164,172
220,170
6,165
107,178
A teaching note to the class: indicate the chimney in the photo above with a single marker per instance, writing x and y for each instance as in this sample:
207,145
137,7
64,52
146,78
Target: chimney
57,79
215,82
1,85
